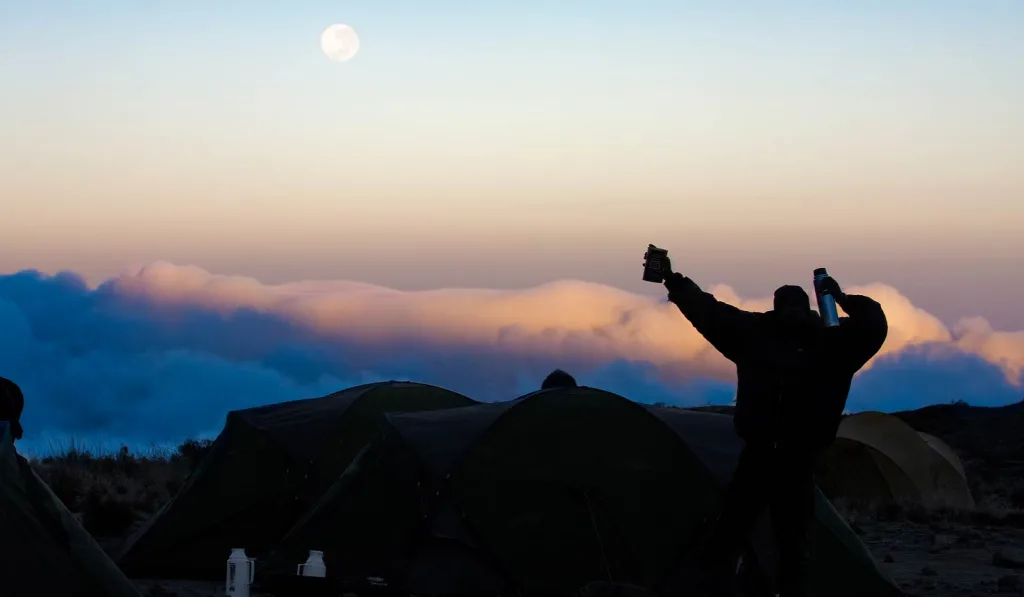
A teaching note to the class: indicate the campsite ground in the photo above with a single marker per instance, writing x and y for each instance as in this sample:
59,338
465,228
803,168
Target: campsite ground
926,559
927,553
171,588
947,559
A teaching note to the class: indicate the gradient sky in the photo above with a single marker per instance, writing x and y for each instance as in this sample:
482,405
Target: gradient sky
506,144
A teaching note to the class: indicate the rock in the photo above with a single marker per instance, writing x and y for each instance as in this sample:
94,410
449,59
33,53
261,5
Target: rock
942,542
159,590
968,535
1008,557
926,584
888,559
604,589
929,571
1011,583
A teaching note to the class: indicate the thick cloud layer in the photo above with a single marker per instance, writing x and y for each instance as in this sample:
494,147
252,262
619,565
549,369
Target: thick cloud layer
163,353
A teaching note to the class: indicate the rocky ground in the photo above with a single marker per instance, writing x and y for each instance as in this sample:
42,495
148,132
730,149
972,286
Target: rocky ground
186,588
182,588
947,559
925,559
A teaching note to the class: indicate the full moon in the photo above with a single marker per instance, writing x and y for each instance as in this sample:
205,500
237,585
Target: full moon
339,42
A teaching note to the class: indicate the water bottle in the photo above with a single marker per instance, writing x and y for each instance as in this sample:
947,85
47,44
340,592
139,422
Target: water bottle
826,302
241,573
314,565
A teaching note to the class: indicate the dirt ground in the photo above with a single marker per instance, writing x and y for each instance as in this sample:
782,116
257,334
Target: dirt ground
928,560
947,560
187,588
182,588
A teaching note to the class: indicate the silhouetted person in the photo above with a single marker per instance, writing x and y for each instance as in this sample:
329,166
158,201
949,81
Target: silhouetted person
794,377
12,402
558,379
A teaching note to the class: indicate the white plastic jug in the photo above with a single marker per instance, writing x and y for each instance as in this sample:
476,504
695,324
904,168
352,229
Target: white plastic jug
241,573
314,565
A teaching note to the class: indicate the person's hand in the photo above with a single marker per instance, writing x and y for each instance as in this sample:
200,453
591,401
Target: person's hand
672,280
829,285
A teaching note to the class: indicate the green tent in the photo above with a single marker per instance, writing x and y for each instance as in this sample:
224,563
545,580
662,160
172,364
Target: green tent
542,495
44,549
269,465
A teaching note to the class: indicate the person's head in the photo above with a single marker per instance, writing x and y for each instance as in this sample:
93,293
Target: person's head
792,306
558,379
12,402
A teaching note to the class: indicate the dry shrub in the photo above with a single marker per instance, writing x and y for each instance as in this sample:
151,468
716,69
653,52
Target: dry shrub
112,492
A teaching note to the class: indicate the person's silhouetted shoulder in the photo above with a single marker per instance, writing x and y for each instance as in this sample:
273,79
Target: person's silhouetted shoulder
864,331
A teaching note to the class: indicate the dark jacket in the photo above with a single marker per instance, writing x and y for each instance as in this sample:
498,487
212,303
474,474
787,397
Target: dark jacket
786,390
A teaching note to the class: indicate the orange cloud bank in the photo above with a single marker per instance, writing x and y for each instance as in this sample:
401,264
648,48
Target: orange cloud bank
559,318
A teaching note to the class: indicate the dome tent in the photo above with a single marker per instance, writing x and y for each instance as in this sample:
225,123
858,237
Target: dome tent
879,458
542,495
267,467
945,451
539,495
45,550
859,473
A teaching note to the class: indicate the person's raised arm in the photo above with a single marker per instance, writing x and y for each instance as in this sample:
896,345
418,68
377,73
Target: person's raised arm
723,325
864,330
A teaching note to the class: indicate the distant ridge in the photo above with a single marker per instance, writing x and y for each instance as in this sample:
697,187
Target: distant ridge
985,432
